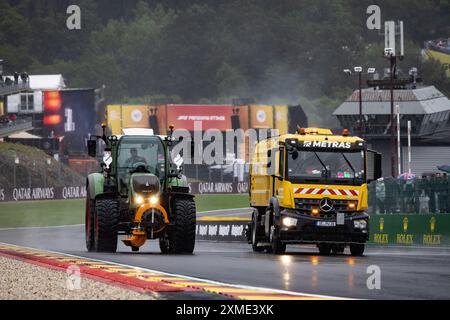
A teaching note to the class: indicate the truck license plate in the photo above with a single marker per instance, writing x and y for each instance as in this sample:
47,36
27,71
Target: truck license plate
340,219
327,224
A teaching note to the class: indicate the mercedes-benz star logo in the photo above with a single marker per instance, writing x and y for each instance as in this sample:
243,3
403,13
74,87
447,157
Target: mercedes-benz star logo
326,205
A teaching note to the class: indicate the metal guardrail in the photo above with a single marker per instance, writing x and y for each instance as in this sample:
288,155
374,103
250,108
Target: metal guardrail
16,126
6,90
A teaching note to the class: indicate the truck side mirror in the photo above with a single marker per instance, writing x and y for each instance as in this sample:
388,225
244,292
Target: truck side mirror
271,163
374,166
92,148
378,166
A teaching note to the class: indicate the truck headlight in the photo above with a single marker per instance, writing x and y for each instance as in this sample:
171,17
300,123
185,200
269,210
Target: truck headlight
289,222
360,224
154,200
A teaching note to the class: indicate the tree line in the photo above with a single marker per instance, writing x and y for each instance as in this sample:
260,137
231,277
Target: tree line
191,51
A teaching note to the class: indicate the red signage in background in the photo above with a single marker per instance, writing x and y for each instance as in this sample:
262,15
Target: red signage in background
53,110
211,116
52,101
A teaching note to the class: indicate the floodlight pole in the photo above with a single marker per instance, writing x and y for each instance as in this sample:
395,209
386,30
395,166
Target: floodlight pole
393,60
398,141
360,106
409,147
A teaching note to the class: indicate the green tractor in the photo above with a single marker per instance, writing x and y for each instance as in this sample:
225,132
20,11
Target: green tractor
140,193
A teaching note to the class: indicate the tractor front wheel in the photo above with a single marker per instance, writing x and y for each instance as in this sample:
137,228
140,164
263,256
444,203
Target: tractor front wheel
182,239
165,242
106,223
89,223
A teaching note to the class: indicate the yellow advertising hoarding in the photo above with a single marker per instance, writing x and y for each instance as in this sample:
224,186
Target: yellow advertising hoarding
261,117
127,116
281,119
134,116
114,113
443,58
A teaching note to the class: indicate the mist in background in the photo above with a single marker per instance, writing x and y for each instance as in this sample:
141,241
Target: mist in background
287,52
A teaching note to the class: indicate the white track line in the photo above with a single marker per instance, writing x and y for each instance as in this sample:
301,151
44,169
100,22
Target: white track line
190,278
224,210
52,227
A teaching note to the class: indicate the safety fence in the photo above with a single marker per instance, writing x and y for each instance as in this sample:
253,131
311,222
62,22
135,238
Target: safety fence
426,195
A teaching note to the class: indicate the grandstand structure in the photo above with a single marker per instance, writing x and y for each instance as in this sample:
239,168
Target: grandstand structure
10,88
439,50
425,107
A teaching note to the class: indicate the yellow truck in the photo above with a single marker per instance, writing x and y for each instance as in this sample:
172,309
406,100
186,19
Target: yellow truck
311,188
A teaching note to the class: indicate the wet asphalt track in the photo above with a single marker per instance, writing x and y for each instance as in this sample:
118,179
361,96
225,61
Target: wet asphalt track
406,273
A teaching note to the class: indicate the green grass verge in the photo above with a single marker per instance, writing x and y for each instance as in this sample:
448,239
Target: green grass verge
218,202
68,212
41,213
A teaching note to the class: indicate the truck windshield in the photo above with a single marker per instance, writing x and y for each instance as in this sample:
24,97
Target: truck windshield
327,167
141,153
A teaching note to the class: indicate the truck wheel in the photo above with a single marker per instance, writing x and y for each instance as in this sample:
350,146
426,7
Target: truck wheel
337,249
357,250
106,222
89,223
183,239
277,247
324,249
256,234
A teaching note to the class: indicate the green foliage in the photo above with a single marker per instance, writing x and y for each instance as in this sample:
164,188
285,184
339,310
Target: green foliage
288,51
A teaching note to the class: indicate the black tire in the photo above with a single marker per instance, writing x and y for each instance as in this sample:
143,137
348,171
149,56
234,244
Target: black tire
89,223
357,249
165,243
324,249
276,246
182,238
255,235
106,222
337,249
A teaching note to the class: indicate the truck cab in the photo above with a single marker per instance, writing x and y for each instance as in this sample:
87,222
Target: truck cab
311,188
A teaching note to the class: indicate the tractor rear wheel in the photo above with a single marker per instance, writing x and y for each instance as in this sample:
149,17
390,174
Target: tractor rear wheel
182,237
106,223
89,223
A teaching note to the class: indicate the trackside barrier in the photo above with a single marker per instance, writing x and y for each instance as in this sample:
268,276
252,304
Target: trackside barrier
410,229
79,192
431,230
231,230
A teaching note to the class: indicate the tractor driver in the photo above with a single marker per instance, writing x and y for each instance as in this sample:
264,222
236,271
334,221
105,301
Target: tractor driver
135,158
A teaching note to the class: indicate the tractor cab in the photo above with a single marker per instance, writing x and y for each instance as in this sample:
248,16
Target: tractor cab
138,156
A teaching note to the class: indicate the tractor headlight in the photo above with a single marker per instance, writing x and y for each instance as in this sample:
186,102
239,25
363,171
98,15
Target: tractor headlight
360,224
289,222
139,199
154,200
